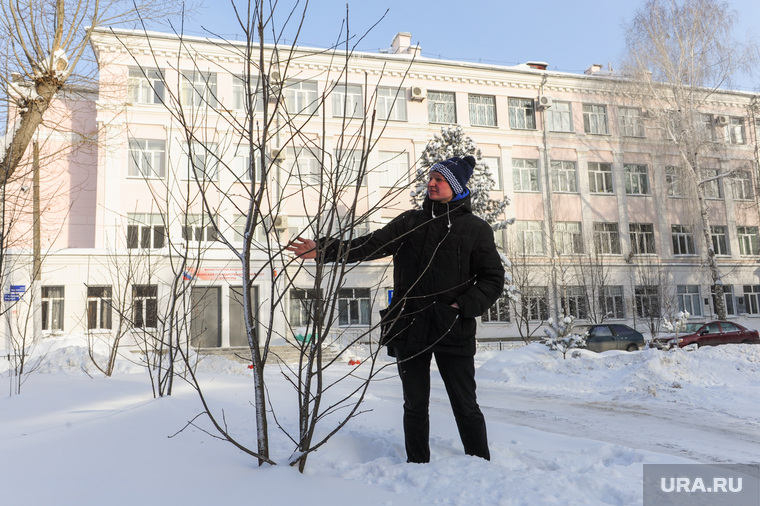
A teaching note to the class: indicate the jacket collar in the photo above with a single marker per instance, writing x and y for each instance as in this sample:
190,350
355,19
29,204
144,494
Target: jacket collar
453,208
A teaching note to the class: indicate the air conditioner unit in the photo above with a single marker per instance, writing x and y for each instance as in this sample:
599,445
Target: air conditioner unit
417,93
721,121
275,77
645,114
544,101
279,222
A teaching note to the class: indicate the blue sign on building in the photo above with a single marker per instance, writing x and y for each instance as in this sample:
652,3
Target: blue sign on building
18,288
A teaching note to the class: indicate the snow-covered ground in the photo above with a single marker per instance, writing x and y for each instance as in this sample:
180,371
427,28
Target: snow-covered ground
574,431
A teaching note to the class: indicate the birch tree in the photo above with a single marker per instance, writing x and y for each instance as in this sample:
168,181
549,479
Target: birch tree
680,53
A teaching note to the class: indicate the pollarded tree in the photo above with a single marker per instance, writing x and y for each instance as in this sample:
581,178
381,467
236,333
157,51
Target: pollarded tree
680,52
45,45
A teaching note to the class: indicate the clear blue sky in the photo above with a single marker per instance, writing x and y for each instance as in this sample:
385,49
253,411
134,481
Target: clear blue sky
568,35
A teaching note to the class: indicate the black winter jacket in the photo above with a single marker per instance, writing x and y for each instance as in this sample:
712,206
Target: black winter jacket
441,254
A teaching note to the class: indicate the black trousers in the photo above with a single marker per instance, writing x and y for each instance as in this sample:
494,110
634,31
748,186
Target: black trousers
458,374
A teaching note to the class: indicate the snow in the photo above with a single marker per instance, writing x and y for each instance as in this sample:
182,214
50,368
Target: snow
572,431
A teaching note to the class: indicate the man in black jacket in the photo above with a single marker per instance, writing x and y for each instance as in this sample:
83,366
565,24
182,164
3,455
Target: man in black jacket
446,272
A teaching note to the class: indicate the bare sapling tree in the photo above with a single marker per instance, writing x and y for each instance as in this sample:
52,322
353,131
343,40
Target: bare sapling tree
262,172
680,54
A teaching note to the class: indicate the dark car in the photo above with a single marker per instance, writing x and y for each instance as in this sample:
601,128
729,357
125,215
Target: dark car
713,334
610,336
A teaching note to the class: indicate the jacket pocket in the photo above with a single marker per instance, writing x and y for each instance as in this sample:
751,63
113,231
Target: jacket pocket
449,327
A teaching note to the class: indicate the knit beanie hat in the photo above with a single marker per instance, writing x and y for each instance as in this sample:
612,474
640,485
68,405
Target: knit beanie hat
456,171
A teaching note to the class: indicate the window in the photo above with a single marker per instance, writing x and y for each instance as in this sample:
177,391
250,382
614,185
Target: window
606,238
147,158
198,228
303,167
563,177
240,98
647,301
244,166
145,86
350,226
689,299
301,225
98,307
525,175
353,306
499,312
202,161
535,303
575,302
349,166
441,108
719,240
568,237
530,238
347,101
302,306
493,165
741,182
301,97
748,241
752,299
238,231
704,127
393,169
642,238
559,117
636,179
683,240
600,177
728,297
199,89
712,184
522,115
611,302
631,122
145,231
52,307
145,306
734,131
482,110
674,181
391,104
595,119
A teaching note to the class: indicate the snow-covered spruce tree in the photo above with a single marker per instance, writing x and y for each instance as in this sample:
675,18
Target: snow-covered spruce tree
560,336
454,142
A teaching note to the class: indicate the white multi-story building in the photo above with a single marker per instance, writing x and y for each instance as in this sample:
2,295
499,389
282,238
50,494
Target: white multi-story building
591,184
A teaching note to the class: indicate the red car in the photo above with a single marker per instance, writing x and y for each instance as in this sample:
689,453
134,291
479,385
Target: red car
718,332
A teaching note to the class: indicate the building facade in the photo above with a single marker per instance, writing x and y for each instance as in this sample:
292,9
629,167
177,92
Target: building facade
604,224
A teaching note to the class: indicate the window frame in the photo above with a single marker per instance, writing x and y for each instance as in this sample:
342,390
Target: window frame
642,238
301,97
52,307
719,239
199,89
354,300
146,231
682,238
482,110
442,107
522,113
560,120
522,173
564,175
144,155
347,97
391,103
595,121
689,299
606,238
636,179
631,122
99,307
598,175
749,241
145,86
144,306
568,237
530,238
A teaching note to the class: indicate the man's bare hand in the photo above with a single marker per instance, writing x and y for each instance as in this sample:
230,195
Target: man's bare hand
303,248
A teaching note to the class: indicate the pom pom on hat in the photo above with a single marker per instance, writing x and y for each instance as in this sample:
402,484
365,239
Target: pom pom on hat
456,171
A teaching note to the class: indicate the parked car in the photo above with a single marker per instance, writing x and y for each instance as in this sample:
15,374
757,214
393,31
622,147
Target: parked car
610,336
710,334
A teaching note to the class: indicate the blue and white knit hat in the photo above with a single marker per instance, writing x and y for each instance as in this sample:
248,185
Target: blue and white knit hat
456,171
